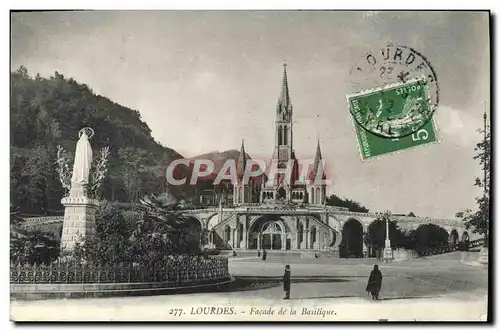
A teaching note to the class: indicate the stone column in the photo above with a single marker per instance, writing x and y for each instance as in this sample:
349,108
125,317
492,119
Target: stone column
245,232
283,241
258,240
365,248
79,220
306,235
236,237
387,248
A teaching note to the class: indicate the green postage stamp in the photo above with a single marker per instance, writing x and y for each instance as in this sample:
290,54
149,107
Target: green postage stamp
392,118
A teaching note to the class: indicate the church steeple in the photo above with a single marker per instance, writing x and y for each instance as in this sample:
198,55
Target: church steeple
242,161
318,156
283,149
284,102
317,186
317,165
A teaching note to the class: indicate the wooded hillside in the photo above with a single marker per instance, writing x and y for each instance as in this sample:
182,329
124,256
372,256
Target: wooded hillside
47,112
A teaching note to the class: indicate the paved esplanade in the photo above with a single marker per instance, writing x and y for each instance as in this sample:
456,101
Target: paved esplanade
434,288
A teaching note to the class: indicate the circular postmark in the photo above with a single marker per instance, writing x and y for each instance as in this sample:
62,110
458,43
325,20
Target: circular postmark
394,91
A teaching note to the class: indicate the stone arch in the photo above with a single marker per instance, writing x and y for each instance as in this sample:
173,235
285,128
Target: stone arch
300,234
314,237
281,193
192,220
268,232
212,220
454,237
352,239
465,236
227,234
288,241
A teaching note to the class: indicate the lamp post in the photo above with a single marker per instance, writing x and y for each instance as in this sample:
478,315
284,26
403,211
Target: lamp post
387,248
483,254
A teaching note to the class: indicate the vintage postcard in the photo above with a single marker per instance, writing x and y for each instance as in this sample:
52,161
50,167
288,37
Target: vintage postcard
227,166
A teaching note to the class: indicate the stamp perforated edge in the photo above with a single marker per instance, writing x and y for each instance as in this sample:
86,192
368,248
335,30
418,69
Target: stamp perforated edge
377,157
365,92
386,87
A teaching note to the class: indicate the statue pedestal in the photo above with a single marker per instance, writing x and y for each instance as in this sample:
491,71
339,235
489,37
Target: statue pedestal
79,220
483,256
388,251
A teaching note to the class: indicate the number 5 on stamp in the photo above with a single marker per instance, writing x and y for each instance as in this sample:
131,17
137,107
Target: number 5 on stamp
371,145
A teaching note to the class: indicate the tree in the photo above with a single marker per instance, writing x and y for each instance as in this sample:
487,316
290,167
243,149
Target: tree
479,219
32,178
111,240
352,205
133,167
429,236
161,231
375,236
32,246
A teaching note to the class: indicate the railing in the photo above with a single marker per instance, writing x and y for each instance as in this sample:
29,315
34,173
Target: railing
452,247
475,243
175,270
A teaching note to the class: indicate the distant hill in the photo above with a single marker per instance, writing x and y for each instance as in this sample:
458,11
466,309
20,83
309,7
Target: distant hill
47,112
219,158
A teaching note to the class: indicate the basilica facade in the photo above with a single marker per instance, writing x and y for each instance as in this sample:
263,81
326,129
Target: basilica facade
286,186
286,212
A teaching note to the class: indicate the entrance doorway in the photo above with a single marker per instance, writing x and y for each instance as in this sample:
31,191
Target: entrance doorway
454,237
271,241
269,232
352,240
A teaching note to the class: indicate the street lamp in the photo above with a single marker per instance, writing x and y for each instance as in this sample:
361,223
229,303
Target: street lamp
483,254
387,248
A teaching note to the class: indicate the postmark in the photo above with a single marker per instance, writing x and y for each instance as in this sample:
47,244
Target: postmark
391,66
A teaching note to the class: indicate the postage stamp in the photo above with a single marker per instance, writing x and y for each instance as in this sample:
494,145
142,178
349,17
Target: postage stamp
371,145
400,111
394,66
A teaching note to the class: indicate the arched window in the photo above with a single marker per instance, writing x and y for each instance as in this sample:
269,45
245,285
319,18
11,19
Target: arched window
285,136
280,136
312,196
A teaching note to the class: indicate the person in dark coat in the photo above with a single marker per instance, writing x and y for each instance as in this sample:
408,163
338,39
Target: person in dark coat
374,282
286,282
258,253
264,255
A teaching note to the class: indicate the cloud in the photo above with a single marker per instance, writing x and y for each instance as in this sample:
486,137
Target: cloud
459,126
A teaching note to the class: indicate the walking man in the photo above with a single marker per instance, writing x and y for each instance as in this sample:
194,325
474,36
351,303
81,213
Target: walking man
374,282
286,282
264,255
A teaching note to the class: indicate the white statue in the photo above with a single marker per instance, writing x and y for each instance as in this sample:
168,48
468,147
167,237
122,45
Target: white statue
82,164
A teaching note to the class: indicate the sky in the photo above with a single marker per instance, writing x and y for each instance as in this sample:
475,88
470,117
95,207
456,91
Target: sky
205,80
